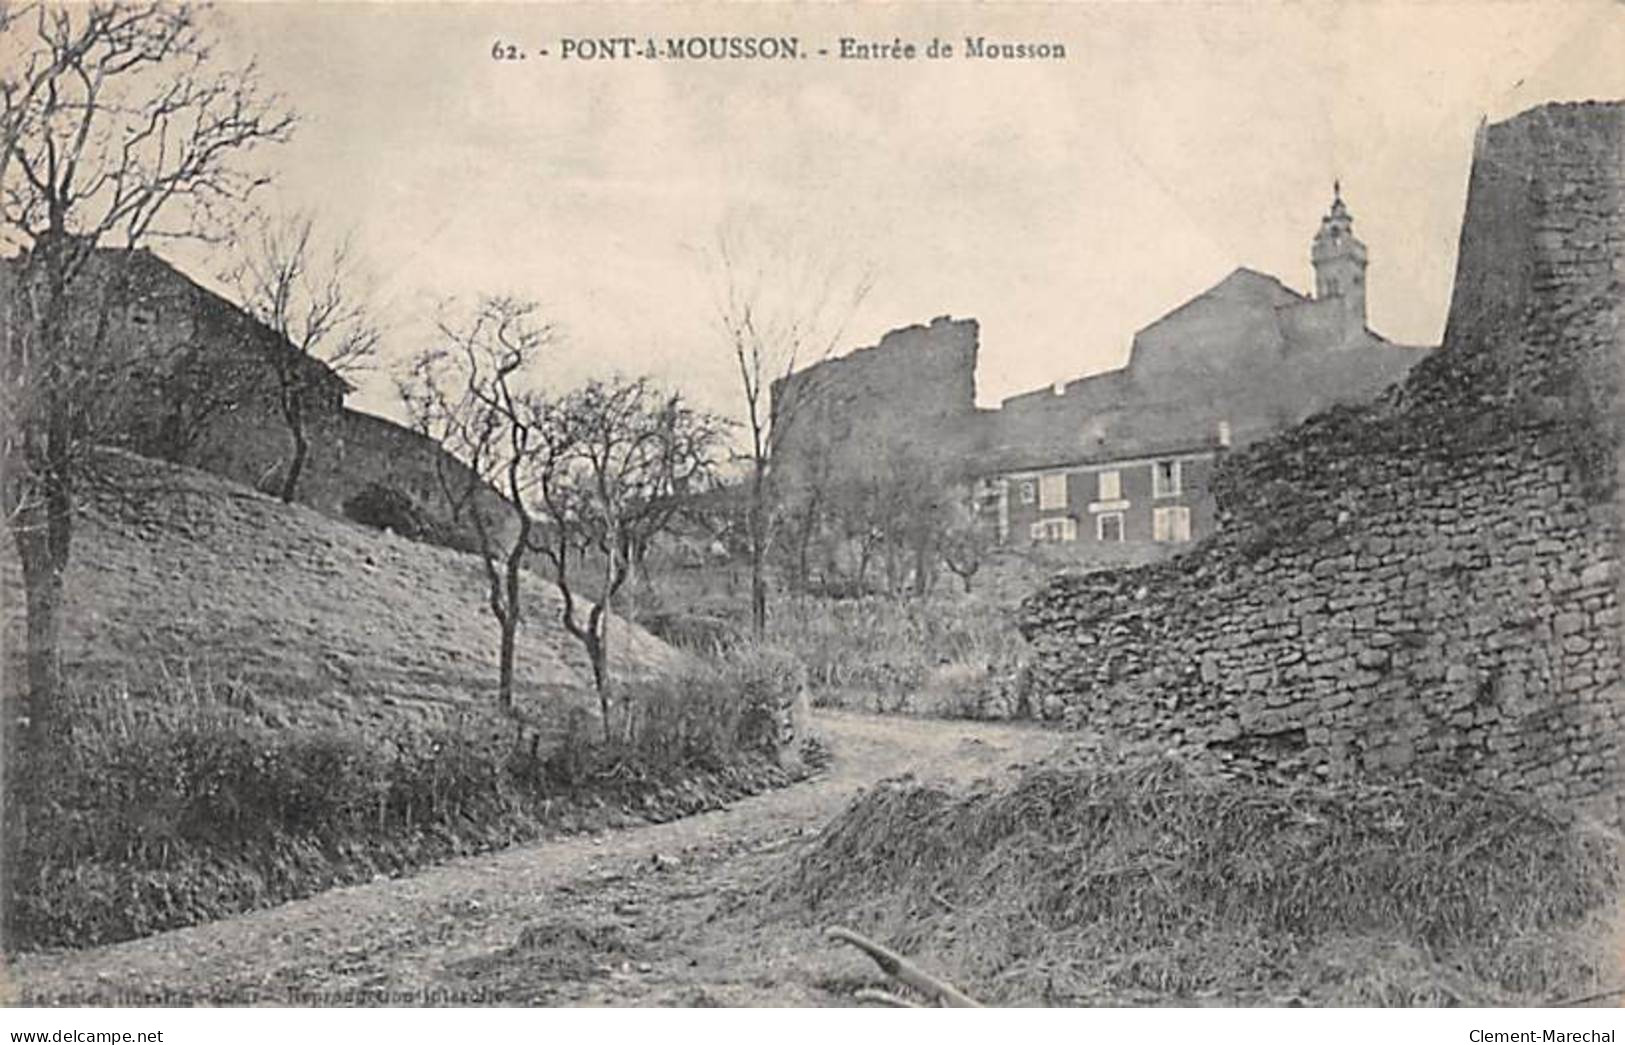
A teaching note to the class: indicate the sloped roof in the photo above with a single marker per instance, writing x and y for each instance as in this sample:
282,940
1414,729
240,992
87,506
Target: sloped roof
1242,284
157,268
151,270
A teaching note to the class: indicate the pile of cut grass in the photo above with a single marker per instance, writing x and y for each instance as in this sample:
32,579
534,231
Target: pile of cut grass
1148,885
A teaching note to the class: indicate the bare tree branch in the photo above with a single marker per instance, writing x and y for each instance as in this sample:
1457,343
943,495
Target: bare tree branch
116,126
780,306
469,393
316,298
615,462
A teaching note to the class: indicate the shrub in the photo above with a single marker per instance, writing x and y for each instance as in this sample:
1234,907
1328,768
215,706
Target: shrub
386,508
945,656
738,701
691,631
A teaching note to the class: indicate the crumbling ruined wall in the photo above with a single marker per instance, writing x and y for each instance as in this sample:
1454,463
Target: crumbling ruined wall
1427,584
913,394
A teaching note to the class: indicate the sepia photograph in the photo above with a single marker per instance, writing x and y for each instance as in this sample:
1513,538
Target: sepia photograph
1097,505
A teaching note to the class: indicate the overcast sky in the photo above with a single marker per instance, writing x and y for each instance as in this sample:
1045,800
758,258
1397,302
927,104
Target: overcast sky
1064,204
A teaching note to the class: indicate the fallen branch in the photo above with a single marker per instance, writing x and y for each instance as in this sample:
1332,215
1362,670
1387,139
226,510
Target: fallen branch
1588,999
896,1001
904,971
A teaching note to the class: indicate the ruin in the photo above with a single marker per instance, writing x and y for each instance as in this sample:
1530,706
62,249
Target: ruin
1426,584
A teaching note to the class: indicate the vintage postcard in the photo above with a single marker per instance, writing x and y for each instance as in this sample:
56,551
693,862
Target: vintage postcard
1106,505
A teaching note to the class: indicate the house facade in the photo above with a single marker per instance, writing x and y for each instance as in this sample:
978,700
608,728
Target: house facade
1102,506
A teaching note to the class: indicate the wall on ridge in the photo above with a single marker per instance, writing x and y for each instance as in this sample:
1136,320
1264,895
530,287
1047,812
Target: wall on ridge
1431,583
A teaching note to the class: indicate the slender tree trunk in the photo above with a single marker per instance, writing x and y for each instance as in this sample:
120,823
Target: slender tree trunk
510,624
758,577
505,658
293,411
600,677
41,539
757,524
600,668
758,596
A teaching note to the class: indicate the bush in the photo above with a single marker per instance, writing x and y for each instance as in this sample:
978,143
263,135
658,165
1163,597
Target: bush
384,507
742,700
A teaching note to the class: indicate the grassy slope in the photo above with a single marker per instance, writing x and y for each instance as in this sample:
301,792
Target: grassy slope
341,624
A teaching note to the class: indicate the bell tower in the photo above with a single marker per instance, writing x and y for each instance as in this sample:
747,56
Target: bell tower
1340,260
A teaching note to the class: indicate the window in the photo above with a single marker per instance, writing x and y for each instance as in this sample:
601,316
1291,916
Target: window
1171,524
1054,530
1165,479
1109,527
1029,491
143,314
1111,486
1052,491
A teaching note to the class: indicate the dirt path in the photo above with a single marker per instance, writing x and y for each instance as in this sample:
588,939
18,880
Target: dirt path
645,915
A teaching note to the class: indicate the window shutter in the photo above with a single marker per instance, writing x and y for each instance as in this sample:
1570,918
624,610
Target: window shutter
1052,490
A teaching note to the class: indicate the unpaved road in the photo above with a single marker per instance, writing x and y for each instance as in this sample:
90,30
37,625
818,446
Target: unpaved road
644,915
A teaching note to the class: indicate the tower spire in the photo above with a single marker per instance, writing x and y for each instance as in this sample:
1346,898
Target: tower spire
1340,259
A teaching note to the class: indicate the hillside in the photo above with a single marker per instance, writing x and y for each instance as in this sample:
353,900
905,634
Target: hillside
187,573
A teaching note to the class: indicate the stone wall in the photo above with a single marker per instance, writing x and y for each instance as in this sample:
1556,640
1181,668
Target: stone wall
1430,583
350,451
912,394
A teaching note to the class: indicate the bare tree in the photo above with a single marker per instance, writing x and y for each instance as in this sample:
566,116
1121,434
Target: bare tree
313,295
117,129
471,394
780,307
616,463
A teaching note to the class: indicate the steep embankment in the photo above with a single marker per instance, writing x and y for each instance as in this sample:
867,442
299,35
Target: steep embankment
181,572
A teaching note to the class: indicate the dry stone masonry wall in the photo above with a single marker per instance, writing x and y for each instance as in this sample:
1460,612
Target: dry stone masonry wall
1429,584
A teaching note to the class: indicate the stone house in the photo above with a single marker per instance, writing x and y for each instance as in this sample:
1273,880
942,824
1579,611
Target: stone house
1116,462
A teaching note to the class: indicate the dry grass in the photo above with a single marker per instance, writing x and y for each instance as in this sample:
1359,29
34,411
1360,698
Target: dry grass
1146,885
188,801
944,656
